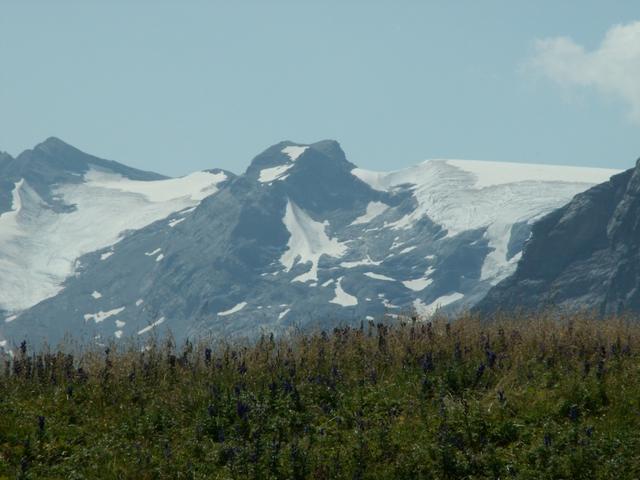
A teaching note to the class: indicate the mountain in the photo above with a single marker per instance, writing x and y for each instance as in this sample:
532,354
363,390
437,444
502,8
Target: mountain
583,256
302,238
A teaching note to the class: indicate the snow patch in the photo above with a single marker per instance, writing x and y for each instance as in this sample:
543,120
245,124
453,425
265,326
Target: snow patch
176,221
365,262
343,298
407,250
283,313
155,252
101,316
139,302
106,255
294,151
118,333
307,242
96,294
377,276
153,325
10,319
273,173
418,284
430,309
120,323
233,309
159,257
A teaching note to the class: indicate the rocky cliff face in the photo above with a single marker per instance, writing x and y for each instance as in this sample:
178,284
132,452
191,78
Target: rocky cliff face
586,255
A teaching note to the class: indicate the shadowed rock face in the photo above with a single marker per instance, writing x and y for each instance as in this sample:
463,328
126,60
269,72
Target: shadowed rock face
586,255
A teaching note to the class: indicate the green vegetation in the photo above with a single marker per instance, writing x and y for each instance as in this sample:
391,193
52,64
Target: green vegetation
528,398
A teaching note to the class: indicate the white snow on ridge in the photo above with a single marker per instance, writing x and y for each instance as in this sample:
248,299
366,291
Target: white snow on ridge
233,309
489,174
343,298
39,247
308,241
294,151
373,210
194,187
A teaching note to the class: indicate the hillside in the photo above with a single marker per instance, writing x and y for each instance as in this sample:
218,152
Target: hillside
523,398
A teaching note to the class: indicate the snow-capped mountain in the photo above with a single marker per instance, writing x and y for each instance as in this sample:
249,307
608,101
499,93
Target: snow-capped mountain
302,238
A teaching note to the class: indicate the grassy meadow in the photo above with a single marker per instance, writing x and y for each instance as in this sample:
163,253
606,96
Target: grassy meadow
528,397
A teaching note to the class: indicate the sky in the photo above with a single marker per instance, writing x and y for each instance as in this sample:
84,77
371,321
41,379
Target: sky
178,86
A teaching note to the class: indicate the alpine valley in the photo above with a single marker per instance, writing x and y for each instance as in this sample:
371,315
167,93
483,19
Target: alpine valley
100,251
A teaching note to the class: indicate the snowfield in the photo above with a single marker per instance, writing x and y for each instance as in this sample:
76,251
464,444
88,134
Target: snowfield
40,247
308,241
464,195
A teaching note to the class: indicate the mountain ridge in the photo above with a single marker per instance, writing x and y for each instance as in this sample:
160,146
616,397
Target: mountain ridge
303,236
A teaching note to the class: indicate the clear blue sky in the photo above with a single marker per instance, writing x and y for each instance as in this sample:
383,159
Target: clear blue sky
186,85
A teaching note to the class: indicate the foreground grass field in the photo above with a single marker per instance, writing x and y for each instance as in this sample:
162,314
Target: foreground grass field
526,398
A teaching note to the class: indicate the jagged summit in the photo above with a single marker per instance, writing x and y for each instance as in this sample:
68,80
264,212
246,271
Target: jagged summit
273,163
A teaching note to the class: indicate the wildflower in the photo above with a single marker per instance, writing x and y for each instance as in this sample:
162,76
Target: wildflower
426,362
242,369
41,422
242,409
589,431
287,386
501,397
491,358
207,356
547,440
479,372
211,410
69,392
457,353
574,413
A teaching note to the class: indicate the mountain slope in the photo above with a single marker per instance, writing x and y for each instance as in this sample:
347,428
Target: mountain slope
585,255
304,237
